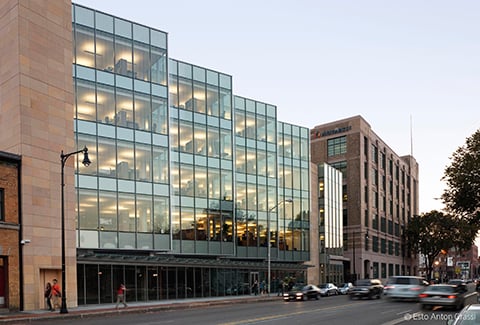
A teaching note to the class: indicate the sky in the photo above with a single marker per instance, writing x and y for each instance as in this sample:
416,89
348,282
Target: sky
410,68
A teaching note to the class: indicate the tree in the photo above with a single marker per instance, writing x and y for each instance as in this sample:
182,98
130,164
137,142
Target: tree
432,232
462,176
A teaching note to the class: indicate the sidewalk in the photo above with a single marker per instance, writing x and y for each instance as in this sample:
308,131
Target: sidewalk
87,311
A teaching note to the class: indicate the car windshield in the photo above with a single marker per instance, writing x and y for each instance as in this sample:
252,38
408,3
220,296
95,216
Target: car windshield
323,286
297,288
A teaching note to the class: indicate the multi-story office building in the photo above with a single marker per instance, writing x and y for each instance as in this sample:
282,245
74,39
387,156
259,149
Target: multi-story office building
187,184
380,192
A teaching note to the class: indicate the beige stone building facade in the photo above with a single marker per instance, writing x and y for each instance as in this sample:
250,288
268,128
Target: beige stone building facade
36,104
380,191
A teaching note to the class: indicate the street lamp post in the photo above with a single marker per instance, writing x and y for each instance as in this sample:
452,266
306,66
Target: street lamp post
86,162
269,248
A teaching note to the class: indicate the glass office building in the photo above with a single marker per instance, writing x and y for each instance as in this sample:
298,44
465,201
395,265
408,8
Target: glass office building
188,181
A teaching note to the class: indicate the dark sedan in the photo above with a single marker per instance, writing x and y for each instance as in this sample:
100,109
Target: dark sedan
443,295
367,288
301,292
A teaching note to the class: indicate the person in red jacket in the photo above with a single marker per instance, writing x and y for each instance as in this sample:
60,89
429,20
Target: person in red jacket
121,295
55,295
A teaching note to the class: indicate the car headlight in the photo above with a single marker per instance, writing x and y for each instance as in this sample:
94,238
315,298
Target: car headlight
299,294
285,294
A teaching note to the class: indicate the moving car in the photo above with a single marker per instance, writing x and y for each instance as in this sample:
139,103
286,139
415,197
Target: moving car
467,316
345,288
328,289
367,288
405,287
302,292
443,295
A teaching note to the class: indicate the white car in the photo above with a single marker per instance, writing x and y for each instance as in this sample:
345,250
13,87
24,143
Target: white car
405,287
345,288
328,289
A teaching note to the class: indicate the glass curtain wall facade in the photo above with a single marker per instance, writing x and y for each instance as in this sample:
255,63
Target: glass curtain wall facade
183,176
330,205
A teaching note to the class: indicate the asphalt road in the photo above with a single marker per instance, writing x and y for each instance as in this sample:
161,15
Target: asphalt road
335,310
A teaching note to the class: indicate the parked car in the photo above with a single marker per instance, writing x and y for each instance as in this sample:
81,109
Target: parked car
458,282
302,292
467,316
328,289
345,288
367,288
405,287
443,295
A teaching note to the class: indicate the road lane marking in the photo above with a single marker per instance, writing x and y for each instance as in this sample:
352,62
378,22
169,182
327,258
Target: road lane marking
267,318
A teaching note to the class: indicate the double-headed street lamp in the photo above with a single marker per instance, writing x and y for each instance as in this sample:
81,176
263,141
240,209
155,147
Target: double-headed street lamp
269,256
86,162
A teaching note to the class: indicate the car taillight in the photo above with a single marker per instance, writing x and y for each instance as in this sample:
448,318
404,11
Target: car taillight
389,287
416,289
452,297
423,295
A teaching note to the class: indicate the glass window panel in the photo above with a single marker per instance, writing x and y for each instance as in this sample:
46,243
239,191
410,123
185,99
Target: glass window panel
271,130
85,46
241,196
104,54
160,164
226,144
174,140
261,128
126,212
123,57
187,223
240,124
160,215
124,115
175,178
103,22
199,74
212,77
143,163
213,142
252,197
240,160
159,115
84,16
185,70
213,105
123,28
296,177
144,213
185,94
214,183
197,104
106,157
200,181
186,137
158,39
187,186
87,210
125,163
143,113
251,161
158,68
175,225
262,163
108,210
105,104
226,104
271,164
250,126
225,81
86,101
200,137
227,184
141,61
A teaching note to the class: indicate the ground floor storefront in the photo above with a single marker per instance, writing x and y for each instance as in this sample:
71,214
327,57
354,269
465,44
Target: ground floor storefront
150,278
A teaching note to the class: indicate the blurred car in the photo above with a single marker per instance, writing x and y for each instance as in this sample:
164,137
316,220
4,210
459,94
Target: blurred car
345,288
328,289
443,295
367,288
467,316
405,287
458,282
302,292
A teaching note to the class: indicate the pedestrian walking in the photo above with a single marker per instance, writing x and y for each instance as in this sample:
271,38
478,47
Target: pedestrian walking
48,292
55,295
121,296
